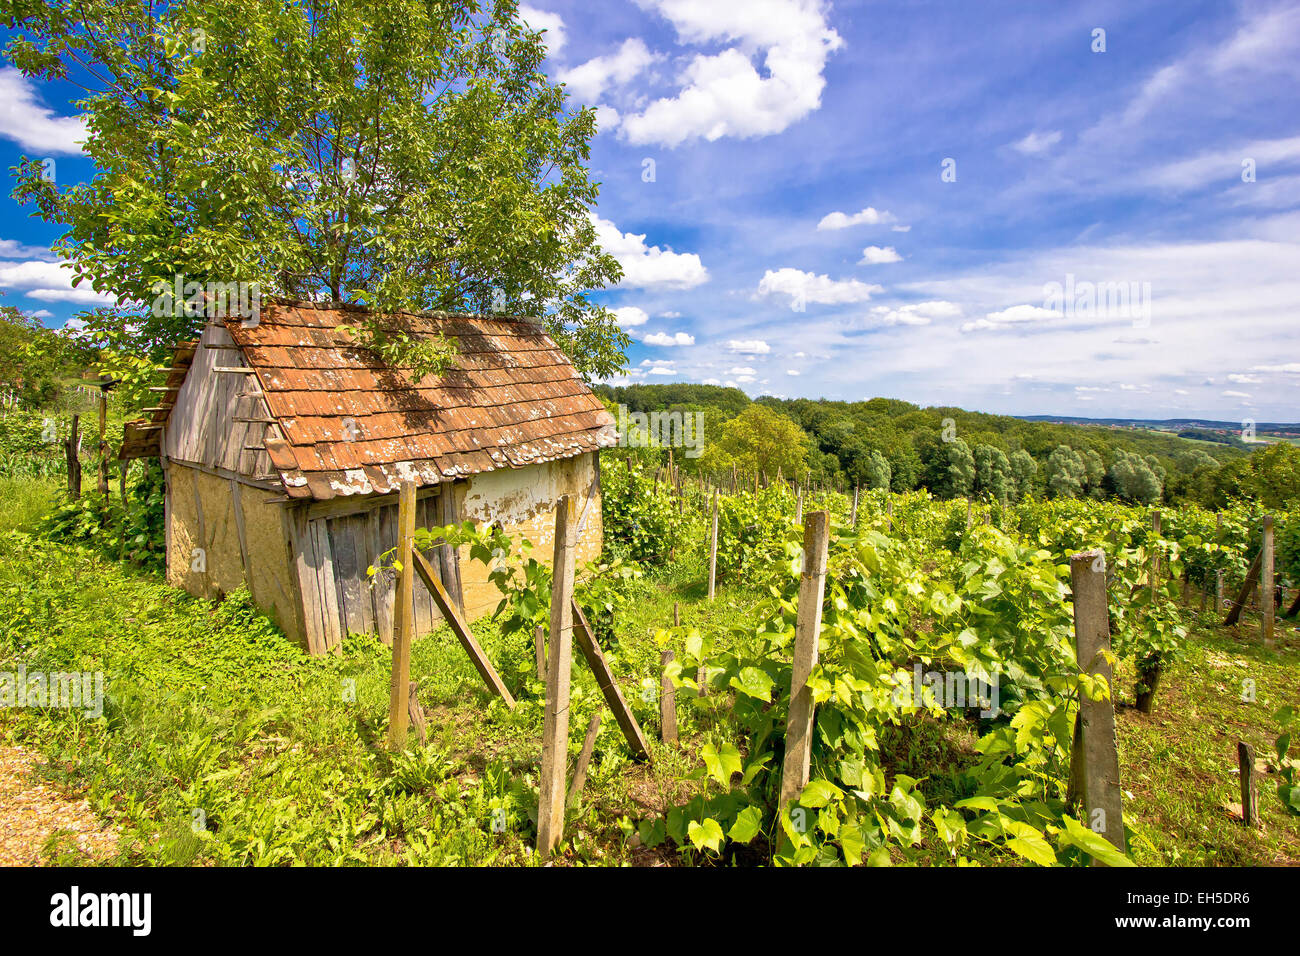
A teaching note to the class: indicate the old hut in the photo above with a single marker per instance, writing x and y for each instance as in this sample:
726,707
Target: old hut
284,447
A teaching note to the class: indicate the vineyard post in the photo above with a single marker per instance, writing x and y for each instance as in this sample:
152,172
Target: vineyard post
808,625
1247,588
968,510
667,701
399,690
539,651
713,547
555,726
584,758
889,510
1218,589
1266,584
853,515
72,450
1095,763
798,506
1249,796
1155,553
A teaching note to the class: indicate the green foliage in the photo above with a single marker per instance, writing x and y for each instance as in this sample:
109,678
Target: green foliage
641,519
407,155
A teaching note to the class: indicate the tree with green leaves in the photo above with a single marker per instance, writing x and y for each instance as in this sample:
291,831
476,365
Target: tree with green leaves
1137,479
993,476
1024,470
408,154
759,441
875,471
952,471
34,358
1065,472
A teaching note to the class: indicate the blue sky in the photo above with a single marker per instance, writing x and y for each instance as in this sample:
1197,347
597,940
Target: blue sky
774,185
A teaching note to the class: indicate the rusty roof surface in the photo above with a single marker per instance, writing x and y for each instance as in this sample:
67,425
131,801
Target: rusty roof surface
354,426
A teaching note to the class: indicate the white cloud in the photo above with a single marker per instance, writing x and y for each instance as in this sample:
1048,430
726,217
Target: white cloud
791,371
50,282
589,80
32,126
1291,368
670,315
748,346
1036,143
902,228
649,267
875,255
808,287
1232,394
741,370
669,341
545,20
13,249
711,381
662,370
1015,315
919,313
629,316
868,217
724,94
1245,379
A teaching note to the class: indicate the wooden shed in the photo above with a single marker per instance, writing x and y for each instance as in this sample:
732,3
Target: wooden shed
284,447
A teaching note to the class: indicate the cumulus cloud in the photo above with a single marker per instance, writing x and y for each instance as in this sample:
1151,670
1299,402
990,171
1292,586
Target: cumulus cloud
875,255
748,346
1292,368
724,93
918,313
867,217
33,126
662,370
1016,315
1035,144
552,23
742,370
13,249
649,267
49,282
629,316
809,287
669,341
589,80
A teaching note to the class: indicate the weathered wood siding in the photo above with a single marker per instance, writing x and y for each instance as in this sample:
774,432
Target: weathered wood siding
202,428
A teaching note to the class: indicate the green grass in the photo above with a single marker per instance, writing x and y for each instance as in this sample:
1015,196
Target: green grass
214,716
24,501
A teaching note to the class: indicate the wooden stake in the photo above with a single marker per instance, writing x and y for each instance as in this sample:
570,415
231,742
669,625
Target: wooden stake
1249,801
1266,599
586,640
555,727
1155,554
667,701
713,548
416,713
1247,588
1218,590
853,515
798,506
403,618
808,624
539,649
584,759
72,450
1098,767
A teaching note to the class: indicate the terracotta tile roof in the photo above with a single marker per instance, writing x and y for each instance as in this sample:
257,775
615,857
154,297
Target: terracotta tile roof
355,426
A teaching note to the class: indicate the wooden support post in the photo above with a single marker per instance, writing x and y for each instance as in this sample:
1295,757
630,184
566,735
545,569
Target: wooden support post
1249,796
667,701
403,619
798,506
103,445
448,556
72,451
555,727
1095,763
713,549
539,650
586,640
1266,600
1247,588
853,515
451,614
1218,590
889,510
968,511
1155,554
808,625
584,759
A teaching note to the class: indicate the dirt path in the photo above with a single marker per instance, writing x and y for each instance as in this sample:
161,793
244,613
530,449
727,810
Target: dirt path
31,812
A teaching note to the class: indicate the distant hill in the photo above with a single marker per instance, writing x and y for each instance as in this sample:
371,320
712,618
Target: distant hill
1166,424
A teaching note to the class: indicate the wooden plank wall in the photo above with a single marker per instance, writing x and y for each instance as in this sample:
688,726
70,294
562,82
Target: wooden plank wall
202,430
336,548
